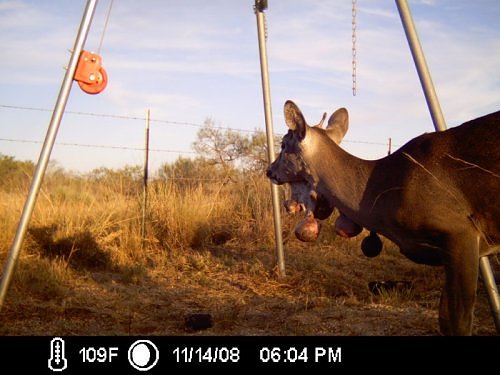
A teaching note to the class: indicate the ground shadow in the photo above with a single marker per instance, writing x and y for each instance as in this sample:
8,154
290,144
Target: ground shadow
80,250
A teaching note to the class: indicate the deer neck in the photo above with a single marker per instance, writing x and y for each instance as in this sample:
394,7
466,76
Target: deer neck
343,178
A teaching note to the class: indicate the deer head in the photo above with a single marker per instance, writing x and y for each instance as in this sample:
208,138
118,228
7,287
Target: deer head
290,166
304,197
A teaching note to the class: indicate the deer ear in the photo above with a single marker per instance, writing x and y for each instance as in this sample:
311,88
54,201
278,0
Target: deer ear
338,125
295,119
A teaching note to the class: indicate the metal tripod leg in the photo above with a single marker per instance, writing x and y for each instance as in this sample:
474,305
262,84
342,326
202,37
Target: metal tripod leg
44,157
491,288
439,124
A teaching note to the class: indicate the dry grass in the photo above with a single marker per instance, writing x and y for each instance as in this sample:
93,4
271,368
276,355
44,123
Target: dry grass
84,269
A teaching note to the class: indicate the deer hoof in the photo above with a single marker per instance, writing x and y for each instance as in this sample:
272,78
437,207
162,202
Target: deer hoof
308,229
371,245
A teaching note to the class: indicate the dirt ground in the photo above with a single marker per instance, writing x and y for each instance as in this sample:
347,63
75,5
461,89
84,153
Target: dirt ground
243,296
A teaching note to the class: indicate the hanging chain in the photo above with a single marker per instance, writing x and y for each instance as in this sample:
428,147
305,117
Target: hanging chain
265,27
260,6
354,74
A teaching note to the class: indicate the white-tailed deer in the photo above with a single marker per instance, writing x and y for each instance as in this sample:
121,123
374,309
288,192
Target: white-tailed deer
305,198
437,197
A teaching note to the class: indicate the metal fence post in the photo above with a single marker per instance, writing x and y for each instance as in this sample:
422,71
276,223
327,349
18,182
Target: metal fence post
145,179
44,157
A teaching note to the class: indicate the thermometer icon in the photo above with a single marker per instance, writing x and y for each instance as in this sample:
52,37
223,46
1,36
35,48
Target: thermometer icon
57,360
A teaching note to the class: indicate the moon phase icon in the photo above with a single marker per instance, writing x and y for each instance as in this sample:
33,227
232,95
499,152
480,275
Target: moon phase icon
143,355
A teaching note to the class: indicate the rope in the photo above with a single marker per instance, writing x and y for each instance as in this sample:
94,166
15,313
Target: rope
105,26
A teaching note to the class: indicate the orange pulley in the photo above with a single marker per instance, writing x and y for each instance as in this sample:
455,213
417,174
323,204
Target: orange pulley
90,75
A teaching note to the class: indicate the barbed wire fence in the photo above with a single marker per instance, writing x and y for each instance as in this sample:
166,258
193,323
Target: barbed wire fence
152,121
148,120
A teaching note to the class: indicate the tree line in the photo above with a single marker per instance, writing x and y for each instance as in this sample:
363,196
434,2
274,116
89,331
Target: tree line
222,155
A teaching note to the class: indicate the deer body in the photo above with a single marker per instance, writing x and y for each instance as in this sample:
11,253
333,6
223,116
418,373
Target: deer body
436,197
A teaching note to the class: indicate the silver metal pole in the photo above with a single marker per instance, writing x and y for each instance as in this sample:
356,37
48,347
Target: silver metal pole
260,6
439,125
491,289
46,149
421,65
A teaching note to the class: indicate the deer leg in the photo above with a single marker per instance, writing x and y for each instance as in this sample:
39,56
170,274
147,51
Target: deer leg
459,292
444,315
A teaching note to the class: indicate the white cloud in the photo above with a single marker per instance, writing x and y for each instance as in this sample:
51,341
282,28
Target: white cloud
11,5
35,44
377,12
132,102
191,59
426,2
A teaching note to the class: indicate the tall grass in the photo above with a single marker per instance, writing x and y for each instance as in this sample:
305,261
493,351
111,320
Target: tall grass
208,245
205,214
87,224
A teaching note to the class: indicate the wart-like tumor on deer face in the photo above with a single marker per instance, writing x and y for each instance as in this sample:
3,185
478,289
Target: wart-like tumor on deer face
289,166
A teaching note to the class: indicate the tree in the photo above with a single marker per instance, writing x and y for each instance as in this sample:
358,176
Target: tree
187,172
220,147
231,149
14,173
126,180
256,159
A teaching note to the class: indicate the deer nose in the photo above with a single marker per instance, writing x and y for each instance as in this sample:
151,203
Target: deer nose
269,173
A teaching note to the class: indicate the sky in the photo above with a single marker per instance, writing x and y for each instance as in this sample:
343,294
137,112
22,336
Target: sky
192,60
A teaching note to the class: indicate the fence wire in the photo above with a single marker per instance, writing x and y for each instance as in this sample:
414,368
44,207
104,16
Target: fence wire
152,120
